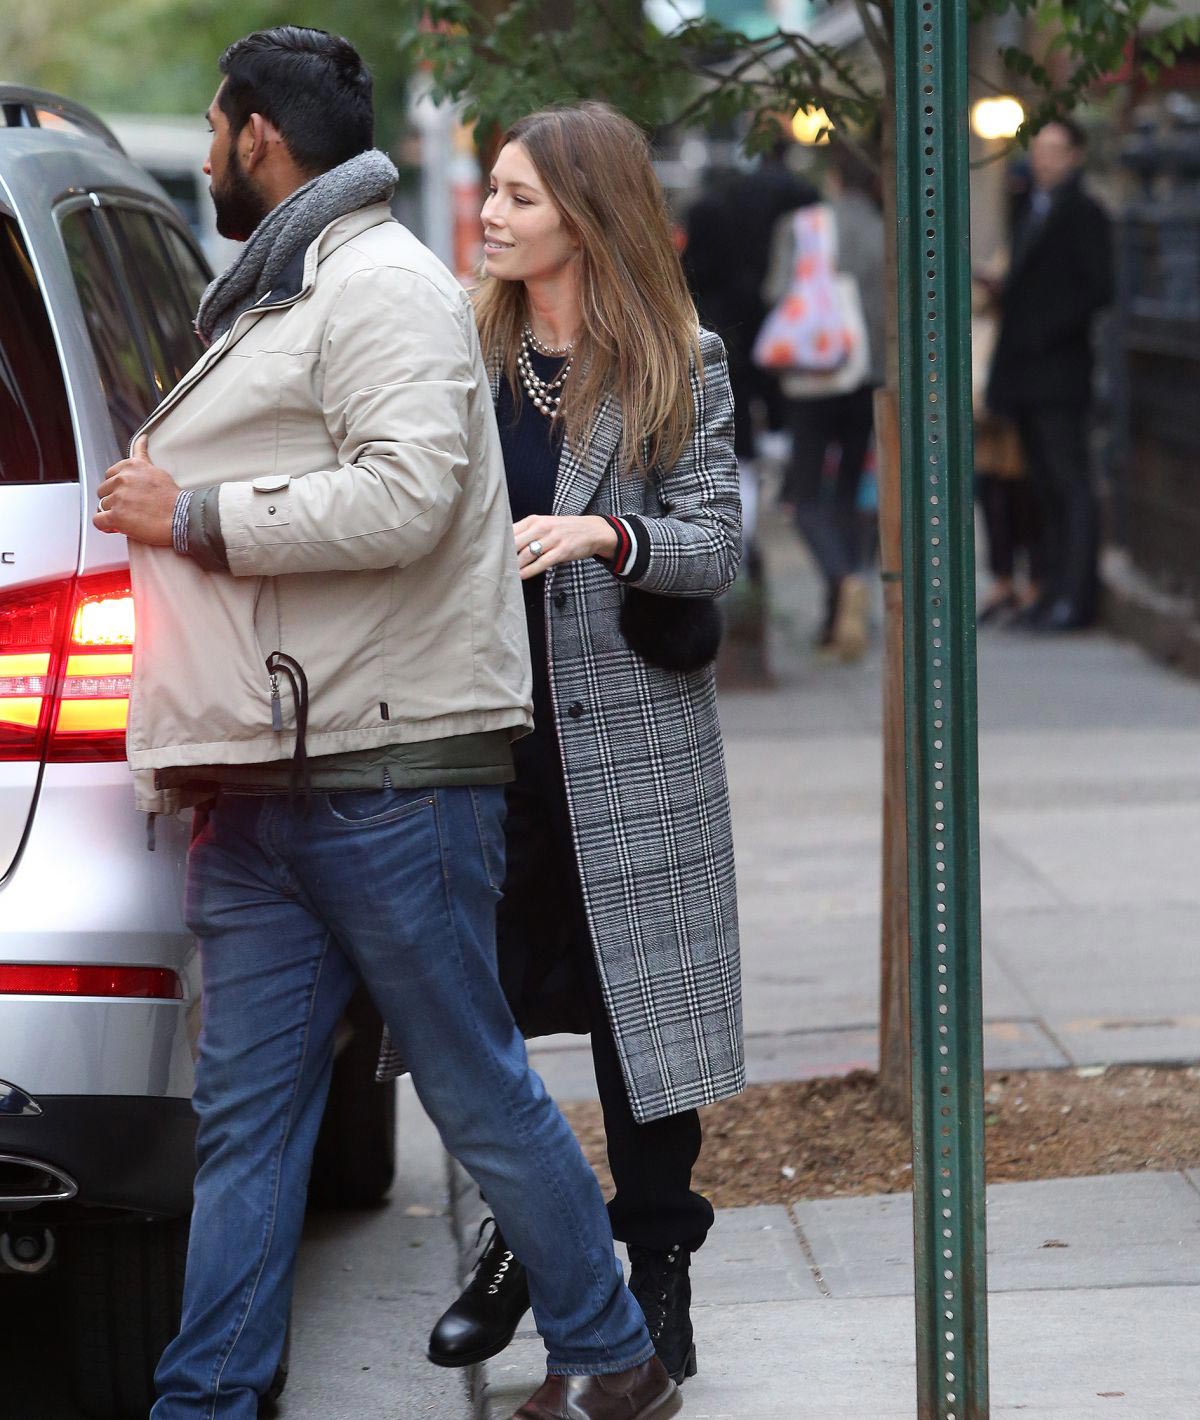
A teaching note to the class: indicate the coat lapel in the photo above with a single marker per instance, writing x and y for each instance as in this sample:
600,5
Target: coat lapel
1030,242
580,473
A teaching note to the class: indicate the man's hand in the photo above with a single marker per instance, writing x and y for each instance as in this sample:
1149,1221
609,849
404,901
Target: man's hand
560,540
138,499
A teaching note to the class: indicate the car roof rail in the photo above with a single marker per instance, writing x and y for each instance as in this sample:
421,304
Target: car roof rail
23,107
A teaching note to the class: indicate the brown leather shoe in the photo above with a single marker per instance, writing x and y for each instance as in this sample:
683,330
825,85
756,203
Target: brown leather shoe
645,1393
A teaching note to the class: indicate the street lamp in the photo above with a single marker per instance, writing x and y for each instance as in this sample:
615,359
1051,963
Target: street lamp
996,118
811,125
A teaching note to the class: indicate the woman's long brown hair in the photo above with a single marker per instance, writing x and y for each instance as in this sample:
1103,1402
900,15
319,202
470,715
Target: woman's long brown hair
640,335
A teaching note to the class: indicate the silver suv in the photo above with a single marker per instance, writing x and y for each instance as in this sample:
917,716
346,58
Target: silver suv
99,988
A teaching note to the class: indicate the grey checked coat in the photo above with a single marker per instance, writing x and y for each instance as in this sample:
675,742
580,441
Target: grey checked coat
644,768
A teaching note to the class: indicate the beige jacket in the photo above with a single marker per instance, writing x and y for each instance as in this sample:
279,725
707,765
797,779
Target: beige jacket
365,517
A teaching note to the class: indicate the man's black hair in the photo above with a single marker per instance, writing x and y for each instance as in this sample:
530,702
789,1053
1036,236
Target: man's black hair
1076,133
313,86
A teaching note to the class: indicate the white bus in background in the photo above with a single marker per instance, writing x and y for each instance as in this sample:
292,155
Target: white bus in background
173,149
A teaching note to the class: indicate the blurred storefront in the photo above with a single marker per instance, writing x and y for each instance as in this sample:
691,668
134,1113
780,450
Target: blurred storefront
1152,572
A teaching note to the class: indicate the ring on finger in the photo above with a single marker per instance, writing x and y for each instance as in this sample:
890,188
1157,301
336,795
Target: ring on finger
104,505
535,547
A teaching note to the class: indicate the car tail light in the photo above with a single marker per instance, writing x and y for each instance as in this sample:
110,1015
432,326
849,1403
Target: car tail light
155,982
93,698
66,660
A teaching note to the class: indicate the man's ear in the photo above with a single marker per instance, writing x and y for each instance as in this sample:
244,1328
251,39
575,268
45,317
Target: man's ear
256,138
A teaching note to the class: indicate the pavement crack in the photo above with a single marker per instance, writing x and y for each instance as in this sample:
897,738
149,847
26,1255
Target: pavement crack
809,1256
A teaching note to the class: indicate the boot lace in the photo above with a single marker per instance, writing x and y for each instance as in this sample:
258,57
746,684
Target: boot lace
655,1303
495,1262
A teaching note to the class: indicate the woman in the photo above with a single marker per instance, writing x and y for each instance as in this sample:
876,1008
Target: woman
619,911
838,408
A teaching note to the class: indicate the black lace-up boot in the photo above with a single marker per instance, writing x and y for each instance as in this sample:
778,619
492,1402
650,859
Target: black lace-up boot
486,1315
663,1288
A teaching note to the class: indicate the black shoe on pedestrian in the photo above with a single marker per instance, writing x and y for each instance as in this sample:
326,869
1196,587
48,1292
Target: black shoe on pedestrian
999,611
1063,616
484,1319
1029,618
663,1288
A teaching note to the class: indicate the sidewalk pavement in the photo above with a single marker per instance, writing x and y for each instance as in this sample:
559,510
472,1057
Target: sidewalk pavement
1090,836
806,1313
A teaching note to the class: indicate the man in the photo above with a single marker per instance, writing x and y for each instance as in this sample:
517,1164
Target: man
1060,277
331,656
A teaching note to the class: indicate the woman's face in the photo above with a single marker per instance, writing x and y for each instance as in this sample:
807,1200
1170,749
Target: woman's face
524,236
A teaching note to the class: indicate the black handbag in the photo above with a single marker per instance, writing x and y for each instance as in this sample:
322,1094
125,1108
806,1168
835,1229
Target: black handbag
674,633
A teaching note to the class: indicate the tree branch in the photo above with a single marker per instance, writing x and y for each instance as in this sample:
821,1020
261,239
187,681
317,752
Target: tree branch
878,40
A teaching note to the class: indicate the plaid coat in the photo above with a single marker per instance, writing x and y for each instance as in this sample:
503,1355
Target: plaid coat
644,768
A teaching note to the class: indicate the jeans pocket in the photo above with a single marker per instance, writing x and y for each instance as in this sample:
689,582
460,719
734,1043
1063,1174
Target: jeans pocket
365,808
489,824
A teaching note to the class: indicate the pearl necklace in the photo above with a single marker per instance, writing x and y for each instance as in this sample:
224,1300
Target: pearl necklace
545,394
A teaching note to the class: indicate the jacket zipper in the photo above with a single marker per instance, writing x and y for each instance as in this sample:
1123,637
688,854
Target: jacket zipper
194,376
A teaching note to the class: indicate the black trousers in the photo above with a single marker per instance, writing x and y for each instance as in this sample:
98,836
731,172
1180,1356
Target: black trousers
1007,506
1054,438
828,519
546,952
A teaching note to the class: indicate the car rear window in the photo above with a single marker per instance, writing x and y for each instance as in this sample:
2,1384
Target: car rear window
194,277
165,310
36,442
127,386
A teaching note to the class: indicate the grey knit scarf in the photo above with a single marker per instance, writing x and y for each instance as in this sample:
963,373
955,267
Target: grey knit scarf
289,228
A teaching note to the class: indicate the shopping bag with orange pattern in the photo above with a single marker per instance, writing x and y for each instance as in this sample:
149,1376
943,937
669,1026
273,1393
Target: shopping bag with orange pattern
813,329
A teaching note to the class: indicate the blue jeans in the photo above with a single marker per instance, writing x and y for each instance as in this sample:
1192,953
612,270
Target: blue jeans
398,887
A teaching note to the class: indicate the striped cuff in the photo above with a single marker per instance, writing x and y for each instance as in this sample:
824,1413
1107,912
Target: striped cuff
632,556
179,522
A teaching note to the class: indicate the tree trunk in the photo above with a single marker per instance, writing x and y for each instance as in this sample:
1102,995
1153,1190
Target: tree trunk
895,1059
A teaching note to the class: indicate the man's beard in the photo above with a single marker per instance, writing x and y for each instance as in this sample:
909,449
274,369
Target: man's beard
240,205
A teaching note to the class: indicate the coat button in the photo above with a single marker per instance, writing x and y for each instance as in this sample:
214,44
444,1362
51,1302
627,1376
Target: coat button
271,510
575,709
560,600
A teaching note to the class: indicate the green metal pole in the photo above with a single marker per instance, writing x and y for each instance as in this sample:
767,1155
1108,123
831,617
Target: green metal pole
940,707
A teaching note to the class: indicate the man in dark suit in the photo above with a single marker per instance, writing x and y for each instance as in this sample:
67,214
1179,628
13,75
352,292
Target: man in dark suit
1060,277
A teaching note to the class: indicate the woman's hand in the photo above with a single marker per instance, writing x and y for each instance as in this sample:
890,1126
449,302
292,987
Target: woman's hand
560,540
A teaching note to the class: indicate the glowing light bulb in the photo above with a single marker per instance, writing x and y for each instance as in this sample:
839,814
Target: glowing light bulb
997,117
811,125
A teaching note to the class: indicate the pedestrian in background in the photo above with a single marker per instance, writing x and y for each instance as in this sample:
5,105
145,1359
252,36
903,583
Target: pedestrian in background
619,914
729,231
1060,277
332,658
1001,484
832,416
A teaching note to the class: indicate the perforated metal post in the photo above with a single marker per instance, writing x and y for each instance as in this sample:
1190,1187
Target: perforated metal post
940,707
